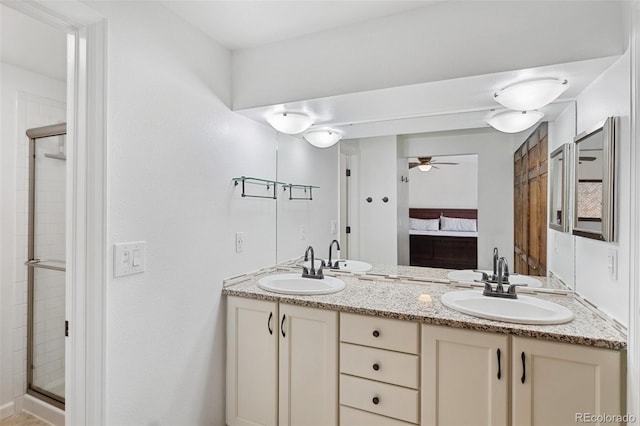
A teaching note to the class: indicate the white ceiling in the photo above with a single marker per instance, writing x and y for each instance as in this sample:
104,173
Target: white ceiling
242,24
460,103
31,44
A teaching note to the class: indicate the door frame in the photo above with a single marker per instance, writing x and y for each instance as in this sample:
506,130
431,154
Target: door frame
86,229
633,339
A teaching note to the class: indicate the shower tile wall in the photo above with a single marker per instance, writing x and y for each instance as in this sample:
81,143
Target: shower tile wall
35,111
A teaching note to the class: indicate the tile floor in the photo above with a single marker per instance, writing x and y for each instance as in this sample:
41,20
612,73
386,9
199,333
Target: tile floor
23,419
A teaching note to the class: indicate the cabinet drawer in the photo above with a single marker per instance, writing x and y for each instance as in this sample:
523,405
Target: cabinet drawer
352,417
393,401
397,335
379,364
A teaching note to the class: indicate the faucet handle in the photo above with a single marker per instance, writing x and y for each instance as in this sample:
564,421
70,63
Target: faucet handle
485,277
512,287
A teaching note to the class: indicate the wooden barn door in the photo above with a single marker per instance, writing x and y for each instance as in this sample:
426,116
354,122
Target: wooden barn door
530,204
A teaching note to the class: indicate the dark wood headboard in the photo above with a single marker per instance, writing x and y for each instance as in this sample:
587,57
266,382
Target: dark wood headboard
435,213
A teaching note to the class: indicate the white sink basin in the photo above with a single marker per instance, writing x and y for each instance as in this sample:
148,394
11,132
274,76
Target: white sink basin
345,265
353,265
523,310
295,284
470,276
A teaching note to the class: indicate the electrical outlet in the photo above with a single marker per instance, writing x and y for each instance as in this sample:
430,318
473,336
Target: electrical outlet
612,263
302,233
239,242
334,227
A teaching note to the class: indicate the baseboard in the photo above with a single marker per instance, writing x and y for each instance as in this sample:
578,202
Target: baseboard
42,410
7,410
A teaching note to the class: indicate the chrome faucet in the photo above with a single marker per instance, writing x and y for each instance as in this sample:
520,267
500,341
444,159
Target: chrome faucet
502,279
312,273
503,274
337,244
494,277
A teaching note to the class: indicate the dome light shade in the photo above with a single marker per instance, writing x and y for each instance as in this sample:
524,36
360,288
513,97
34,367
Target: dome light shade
322,138
532,94
290,123
424,167
514,121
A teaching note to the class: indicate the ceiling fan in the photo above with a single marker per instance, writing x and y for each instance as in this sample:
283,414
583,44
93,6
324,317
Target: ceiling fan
426,163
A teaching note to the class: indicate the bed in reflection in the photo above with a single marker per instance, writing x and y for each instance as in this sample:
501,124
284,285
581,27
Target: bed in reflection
443,238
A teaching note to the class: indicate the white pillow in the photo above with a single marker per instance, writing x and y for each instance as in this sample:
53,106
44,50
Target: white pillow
424,224
458,224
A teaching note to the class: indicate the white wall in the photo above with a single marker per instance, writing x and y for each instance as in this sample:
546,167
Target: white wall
299,162
28,100
560,245
495,182
324,64
173,148
447,187
608,96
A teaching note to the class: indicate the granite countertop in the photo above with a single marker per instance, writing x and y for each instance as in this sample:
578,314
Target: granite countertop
404,298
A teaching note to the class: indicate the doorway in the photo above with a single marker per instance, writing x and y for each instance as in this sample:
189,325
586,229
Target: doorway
530,204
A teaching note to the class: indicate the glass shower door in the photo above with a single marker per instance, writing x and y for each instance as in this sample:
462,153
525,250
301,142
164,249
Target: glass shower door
47,270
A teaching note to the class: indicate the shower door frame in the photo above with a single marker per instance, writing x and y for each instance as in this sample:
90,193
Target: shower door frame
32,263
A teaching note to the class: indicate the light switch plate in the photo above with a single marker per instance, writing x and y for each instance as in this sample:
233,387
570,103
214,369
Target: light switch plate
129,258
239,242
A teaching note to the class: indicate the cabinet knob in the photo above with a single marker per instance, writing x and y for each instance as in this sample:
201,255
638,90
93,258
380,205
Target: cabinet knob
369,199
375,400
376,333
376,367
385,199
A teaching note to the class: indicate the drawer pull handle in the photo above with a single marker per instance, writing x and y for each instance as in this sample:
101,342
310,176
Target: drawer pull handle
376,367
524,371
269,323
376,333
375,400
282,325
499,366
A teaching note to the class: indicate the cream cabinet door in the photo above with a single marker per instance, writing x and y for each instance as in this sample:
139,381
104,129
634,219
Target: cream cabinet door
465,377
252,362
561,384
308,366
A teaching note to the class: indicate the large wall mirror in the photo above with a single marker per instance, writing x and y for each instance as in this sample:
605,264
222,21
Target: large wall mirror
594,194
559,172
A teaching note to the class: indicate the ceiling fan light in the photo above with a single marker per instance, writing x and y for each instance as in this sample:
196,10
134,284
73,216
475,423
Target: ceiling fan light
514,121
532,94
424,167
322,138
290,123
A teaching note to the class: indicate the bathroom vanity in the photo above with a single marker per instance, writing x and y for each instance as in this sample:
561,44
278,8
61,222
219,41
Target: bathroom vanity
385,351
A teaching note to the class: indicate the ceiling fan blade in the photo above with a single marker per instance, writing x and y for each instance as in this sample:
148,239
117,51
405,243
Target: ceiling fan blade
448,164
588,158
435,167
412,165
